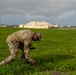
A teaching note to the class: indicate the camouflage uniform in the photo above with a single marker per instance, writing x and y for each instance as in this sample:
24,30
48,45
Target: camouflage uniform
19,40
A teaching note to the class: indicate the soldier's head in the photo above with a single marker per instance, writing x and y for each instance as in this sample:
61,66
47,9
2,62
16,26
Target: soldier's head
36,36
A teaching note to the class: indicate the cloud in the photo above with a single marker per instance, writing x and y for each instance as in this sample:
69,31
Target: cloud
65,15
49,10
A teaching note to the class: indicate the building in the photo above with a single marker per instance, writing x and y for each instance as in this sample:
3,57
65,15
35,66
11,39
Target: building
53,26
33,24
3,25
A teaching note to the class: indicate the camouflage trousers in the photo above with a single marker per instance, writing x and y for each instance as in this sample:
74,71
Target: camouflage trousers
13,47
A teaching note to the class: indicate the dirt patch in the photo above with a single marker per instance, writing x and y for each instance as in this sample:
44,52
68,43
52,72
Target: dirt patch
59,73
55,73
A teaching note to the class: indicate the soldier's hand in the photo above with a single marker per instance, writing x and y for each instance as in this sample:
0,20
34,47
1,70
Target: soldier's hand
31,47
33,62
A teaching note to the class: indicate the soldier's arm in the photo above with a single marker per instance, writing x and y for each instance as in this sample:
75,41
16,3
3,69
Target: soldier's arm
26,51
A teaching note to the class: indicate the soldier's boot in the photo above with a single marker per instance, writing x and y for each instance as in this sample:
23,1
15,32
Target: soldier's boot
29,58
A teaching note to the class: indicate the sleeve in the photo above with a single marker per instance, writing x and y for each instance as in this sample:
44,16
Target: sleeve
26,51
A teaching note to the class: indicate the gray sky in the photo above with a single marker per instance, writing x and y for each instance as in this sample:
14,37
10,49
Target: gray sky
62,12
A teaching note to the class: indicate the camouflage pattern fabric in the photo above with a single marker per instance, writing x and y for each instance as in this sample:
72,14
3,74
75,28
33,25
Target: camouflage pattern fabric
20,39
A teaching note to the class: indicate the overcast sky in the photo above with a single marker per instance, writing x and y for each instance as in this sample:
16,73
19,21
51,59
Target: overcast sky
62,12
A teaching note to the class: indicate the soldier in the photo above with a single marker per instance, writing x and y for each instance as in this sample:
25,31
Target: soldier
21,40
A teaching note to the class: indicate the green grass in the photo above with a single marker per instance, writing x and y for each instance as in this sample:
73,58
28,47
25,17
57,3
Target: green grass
55,52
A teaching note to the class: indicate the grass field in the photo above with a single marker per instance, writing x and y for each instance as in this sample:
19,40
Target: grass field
55,54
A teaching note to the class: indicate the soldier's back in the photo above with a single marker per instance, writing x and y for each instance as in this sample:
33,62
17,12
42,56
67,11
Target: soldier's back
19,35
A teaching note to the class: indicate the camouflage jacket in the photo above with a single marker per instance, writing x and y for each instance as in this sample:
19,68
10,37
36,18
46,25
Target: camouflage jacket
22,36
19,36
